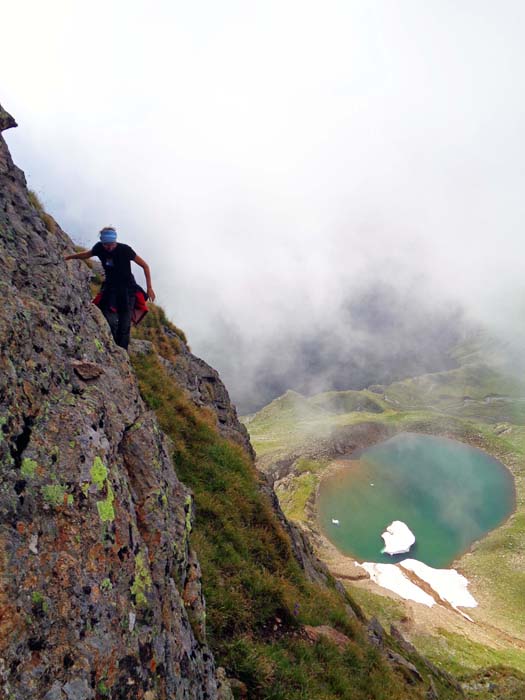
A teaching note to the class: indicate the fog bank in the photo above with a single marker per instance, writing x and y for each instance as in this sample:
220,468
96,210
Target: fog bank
290,170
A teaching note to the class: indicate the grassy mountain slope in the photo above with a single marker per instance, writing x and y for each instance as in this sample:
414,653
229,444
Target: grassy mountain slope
259,600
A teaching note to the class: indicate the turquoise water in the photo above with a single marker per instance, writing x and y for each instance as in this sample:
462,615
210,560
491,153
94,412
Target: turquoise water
449,495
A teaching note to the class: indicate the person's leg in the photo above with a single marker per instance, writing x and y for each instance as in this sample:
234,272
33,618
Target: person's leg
124,320
112,318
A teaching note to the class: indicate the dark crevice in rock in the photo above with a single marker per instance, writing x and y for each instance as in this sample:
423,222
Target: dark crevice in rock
20,486
22,441
36,644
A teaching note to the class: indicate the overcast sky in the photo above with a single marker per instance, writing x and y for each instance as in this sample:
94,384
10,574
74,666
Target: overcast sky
266,157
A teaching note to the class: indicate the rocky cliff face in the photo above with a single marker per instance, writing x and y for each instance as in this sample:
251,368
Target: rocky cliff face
99,587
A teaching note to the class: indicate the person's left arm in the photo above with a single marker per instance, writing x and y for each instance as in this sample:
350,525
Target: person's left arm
144,265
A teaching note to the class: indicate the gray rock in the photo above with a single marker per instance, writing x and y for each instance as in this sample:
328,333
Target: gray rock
432,693
78,689
87,370
55,693
376,633
408,669
223,685
6,120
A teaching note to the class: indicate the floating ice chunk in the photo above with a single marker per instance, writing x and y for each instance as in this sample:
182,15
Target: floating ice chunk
398,538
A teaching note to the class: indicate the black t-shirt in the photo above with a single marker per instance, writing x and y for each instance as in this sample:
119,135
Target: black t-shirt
116,264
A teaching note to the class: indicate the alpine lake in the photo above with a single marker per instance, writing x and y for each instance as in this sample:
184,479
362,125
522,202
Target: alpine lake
448,493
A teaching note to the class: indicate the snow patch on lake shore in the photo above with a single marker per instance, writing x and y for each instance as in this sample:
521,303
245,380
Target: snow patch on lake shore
447,584
390,576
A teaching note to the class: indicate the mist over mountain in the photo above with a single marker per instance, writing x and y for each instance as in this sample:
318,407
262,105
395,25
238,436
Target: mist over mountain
378,335
303,155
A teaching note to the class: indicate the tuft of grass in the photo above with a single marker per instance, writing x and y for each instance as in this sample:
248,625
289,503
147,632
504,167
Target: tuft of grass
34,199
48,220
164,335
293,669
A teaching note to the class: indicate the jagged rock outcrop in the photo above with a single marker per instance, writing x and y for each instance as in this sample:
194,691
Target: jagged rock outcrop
99,587
203,386
6,120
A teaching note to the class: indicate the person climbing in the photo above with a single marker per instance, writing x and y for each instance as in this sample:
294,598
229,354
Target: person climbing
120,295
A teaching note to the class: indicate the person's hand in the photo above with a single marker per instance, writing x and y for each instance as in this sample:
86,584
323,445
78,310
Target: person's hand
151,293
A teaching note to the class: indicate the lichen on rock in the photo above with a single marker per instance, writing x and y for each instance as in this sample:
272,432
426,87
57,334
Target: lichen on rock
28,468
142,581
105,508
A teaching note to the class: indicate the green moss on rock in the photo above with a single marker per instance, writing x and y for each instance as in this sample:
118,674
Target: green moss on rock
37,598
99,473
105,508
39,603
54,494
142,582
28,468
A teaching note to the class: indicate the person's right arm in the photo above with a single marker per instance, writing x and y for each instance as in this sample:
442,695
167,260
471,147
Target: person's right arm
83,255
